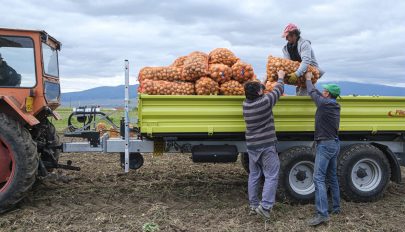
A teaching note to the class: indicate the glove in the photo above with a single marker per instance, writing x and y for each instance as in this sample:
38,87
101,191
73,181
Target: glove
291,78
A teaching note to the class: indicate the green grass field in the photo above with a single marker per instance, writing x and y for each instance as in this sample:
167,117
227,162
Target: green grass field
64,112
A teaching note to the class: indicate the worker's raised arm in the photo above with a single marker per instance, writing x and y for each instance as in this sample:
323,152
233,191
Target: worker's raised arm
278,90
312,91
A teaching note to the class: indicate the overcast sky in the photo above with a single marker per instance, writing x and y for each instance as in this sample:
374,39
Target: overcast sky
358,40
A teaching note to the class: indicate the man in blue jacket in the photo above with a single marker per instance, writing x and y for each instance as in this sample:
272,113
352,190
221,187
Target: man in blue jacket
327,120
298,49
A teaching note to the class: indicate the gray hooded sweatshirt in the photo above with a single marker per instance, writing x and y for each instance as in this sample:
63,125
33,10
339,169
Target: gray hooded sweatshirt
307,56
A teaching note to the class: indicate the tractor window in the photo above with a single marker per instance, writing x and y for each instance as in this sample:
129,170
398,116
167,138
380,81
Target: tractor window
50,58
17,62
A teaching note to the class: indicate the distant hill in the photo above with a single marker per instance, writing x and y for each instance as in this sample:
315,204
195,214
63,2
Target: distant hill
349,88
113,96
352,88
106,96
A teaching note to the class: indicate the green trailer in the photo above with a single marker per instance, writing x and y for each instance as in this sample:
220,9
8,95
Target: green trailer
210,116
211,128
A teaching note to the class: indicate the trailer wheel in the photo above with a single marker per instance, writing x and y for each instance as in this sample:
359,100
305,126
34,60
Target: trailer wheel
18,162
296,184
363,172
244,159
135,160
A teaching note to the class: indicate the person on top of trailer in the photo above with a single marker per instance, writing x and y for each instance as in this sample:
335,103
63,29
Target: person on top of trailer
8,76
327,120
298,49
261,143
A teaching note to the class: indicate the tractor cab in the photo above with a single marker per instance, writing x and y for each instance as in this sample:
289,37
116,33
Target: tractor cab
29,74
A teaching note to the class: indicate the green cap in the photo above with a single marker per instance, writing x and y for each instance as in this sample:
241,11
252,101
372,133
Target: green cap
333,89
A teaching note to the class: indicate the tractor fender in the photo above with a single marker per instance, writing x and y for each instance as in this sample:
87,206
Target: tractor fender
11,107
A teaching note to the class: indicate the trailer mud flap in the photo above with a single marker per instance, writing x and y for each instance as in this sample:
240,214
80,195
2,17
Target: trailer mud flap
158,147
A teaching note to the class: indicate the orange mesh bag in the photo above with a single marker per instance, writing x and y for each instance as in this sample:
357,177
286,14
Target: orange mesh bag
206,86
160,73
195,66
166,88
242,72
274,64
270,86
220,73
232,88
179,62
222,56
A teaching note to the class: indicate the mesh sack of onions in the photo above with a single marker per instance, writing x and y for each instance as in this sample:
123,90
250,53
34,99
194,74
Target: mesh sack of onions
274,64
220,73
160,73
195,66
166,88
206,86
270,86
242,72
232,87
222,56
179,62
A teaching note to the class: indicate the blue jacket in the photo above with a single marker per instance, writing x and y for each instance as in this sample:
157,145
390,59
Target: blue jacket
327,116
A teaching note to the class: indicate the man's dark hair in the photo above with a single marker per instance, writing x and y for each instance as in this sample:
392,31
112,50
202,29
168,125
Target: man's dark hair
296,32
252,89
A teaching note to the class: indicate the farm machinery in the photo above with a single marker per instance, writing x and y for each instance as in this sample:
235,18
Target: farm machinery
210,128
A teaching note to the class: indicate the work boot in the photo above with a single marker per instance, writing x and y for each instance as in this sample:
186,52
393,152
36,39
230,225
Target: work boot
263,212
252,210
317,220
334,211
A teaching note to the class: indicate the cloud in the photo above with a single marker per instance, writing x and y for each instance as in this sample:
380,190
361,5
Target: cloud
358,40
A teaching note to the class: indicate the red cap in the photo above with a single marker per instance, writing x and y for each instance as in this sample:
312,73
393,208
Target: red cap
289,28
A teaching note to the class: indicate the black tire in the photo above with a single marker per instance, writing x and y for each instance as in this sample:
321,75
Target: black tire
135,160
22,151
296,175
363,160
244,159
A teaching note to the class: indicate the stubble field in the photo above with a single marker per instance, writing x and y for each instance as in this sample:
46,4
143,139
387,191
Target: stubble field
170,193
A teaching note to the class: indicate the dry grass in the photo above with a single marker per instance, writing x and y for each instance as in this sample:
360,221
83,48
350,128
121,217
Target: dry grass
173,194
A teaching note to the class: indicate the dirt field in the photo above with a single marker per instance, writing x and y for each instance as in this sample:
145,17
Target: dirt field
173,194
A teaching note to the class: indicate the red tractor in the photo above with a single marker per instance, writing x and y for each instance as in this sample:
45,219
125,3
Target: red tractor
29,94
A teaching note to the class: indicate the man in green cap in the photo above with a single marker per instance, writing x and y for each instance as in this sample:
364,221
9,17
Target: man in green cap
327,120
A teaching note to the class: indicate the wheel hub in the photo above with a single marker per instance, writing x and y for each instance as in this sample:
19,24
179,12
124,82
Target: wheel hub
301,175
361,172
300,179
366,175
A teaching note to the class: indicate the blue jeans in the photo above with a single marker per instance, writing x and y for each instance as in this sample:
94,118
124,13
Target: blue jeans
263,162
325,171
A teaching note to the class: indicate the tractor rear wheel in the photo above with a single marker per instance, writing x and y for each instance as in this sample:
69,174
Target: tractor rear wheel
18,162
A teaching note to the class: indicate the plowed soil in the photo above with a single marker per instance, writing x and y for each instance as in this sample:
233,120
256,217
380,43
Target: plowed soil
173,194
